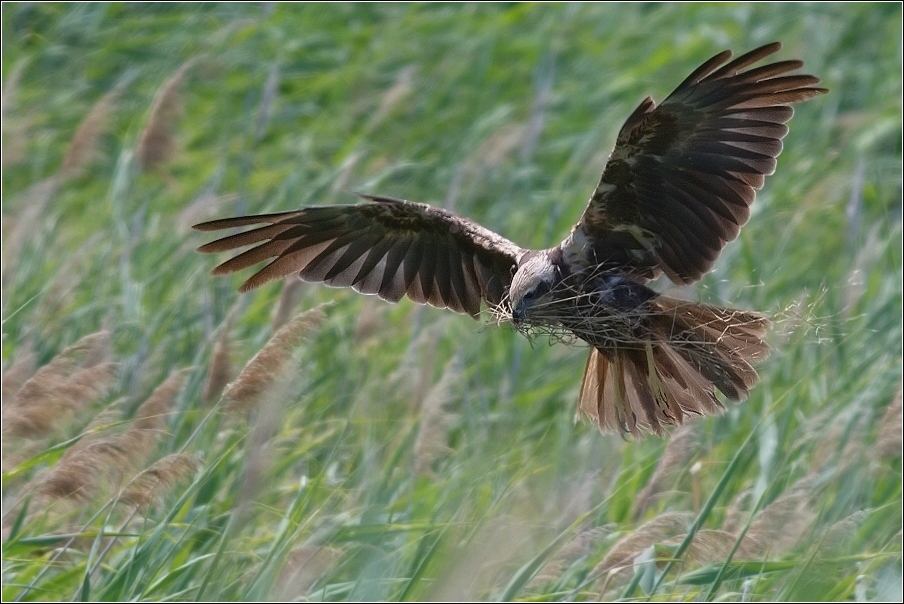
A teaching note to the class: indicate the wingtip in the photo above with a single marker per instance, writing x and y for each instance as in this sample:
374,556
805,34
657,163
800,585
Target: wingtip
207,248
220,270
378,198
224,223
203,226
364,196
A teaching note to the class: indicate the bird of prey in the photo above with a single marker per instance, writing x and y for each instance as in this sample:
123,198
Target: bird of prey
677,187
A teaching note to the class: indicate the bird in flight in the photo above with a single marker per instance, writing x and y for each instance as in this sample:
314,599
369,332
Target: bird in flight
677,187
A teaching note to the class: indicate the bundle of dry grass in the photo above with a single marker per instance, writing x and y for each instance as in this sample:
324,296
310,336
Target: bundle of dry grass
653,361
575,314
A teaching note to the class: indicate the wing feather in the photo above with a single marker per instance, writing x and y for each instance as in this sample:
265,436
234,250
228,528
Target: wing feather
682,176
427,273
389,247
372,271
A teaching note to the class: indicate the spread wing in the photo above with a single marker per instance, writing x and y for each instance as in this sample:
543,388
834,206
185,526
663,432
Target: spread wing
679,183
390,248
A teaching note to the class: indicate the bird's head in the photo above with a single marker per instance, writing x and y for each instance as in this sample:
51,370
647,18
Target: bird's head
532,283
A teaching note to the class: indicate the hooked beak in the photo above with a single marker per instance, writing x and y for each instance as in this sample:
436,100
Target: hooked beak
517,315
518,311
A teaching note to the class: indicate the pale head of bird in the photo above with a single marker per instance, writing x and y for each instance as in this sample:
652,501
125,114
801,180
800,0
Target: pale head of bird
533,282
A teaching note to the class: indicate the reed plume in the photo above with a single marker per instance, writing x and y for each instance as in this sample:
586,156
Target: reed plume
268,365
58,389
157,142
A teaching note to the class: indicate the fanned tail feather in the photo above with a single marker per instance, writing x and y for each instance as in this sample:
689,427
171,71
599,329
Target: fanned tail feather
692,351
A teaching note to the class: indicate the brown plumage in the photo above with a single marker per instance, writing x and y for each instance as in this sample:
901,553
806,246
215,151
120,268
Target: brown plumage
677,187
391,248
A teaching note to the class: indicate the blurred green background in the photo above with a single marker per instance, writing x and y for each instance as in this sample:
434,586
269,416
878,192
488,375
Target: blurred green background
416,453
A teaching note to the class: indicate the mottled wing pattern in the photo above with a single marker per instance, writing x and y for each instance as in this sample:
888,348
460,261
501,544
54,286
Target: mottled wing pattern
679,183
391,248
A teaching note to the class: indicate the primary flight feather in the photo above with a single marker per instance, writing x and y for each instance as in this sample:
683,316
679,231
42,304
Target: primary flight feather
677,187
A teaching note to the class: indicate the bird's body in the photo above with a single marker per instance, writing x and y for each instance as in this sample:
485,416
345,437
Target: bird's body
677,187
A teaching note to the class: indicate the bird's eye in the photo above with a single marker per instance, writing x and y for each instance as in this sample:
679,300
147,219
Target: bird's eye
530,295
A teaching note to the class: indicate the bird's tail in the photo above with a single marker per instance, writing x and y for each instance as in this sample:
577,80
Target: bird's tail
690,350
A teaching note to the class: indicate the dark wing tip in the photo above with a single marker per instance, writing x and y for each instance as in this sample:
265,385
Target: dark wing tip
241,221
765,50
754,56
208,248
222,269
207,226
226,223
375,248
247,286
686,172
378,198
